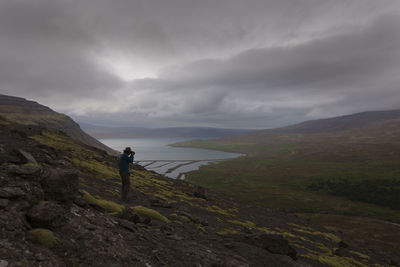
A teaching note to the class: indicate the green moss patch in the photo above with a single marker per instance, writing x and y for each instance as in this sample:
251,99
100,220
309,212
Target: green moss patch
219,210
335,261
42,237
226,231
32,165
150,213
96,167
328,236
111,207
248,224
174,216
60,142
185,218
360,255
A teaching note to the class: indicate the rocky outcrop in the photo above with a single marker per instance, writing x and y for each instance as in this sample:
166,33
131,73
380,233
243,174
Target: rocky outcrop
46,214
60,185
20,156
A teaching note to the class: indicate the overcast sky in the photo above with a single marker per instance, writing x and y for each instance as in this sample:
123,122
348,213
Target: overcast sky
219,63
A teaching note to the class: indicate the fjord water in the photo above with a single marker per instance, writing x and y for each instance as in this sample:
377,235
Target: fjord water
156,154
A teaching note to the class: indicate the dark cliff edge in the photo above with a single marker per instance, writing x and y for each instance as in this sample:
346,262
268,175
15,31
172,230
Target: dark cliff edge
29,112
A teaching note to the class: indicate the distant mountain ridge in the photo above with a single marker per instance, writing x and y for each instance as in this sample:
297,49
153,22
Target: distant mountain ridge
139,132
28,112
341,123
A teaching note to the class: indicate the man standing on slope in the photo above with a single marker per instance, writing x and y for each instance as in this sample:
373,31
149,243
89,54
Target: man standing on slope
124,160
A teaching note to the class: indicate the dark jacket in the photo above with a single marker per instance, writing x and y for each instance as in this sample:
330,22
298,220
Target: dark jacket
124,161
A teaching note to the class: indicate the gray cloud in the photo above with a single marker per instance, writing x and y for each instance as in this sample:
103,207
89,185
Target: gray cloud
46,53
223,63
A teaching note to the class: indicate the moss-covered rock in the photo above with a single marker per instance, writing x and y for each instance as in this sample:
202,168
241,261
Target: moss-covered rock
110,206
150,213
42,237
61,185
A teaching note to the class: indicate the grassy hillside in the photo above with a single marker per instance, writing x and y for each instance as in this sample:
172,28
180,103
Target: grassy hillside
352,172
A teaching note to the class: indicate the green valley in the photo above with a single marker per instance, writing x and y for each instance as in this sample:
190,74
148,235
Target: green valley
351,171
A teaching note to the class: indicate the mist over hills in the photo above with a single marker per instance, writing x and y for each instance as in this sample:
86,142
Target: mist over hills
140,132
326,125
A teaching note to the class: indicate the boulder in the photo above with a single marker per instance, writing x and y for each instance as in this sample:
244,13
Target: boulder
20,156
28,157
61,185
46,214
34,191
27,171
11,192
130,215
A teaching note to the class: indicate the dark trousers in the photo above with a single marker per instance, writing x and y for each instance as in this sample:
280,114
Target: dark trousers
126,185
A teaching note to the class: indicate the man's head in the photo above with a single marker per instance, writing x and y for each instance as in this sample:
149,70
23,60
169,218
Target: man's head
128,150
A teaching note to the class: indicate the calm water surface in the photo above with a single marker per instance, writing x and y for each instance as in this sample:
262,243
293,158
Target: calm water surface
155,154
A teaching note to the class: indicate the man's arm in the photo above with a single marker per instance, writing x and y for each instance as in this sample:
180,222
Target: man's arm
130,159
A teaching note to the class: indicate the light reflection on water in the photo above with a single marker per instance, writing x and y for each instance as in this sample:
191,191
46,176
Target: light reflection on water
155,149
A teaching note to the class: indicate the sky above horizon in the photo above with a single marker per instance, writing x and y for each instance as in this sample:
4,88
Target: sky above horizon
216,63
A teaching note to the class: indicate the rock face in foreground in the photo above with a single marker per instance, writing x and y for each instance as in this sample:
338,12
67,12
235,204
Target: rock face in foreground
60,185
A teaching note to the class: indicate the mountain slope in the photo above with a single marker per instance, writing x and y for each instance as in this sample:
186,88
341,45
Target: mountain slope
341,123
29,112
